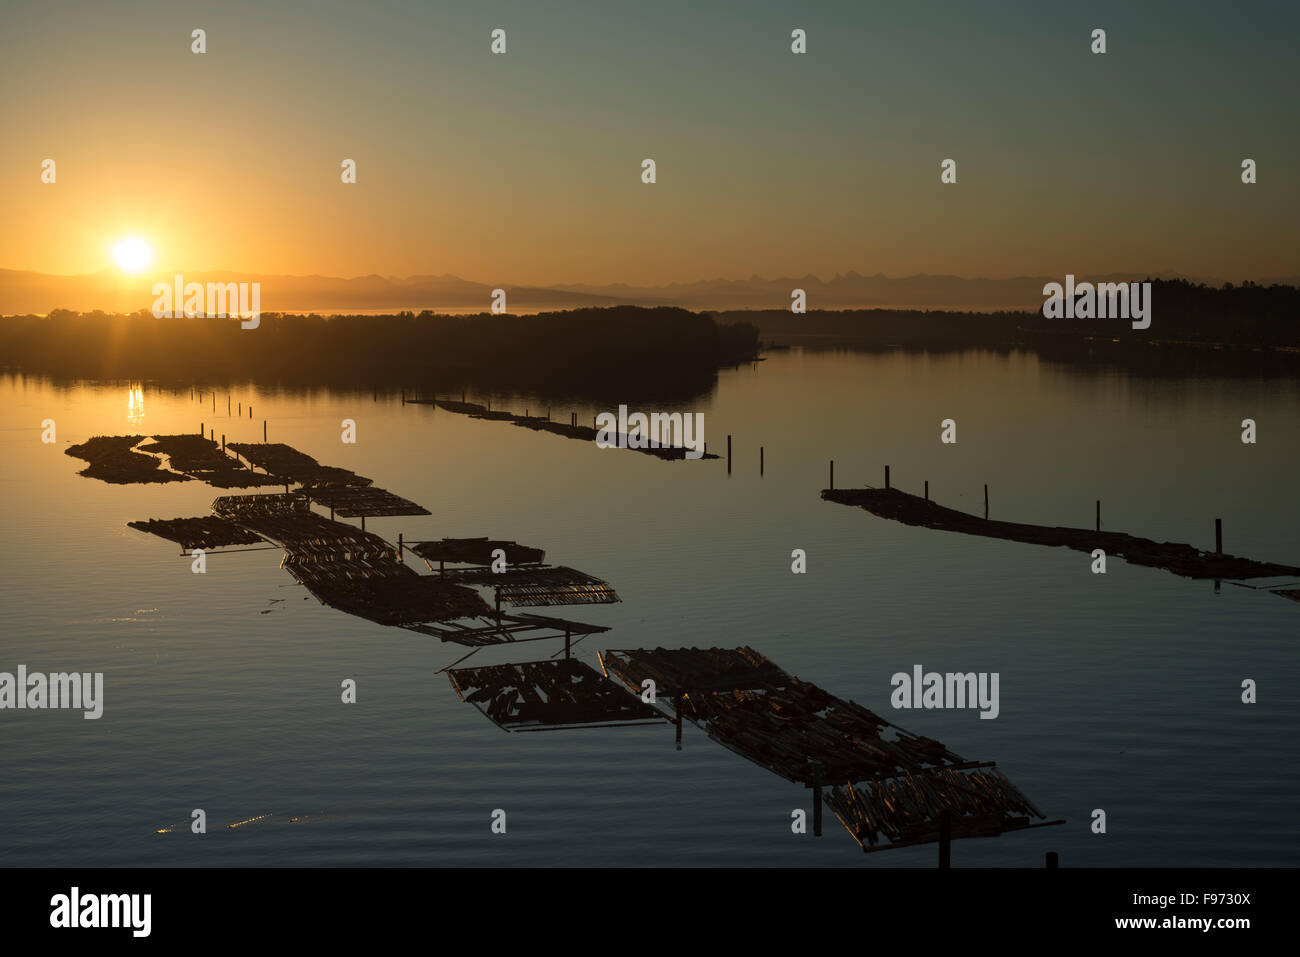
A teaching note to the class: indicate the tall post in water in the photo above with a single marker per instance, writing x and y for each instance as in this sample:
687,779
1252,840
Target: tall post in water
250,412
728,454
202,430
886,476
832,475
817,799
1218,536
986,502
1099,515
927,490
677,720
399,546
945,839
227,405
264,431
760,461
223,441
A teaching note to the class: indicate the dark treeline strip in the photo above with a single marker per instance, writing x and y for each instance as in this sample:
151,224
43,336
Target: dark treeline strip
1184,316
622,352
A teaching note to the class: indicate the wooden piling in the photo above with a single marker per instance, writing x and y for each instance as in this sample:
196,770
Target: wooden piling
1218,536
1099,515
250,412
760,461
945,839
403,397
817,800
927,490
223,441
202,430
227,405
240,410
886,476
832,473
986,500
677,720
728,454
264,430
399,546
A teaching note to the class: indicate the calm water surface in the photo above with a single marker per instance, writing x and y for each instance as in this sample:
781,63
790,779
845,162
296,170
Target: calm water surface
1119,691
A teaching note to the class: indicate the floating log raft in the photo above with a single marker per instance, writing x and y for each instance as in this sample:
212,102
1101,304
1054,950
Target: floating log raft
911,786
207,532
791,727
538,594
1184,560
289,521
203,459
355,502
542,424
549,695
477,551
402,600
907,810
502,629
538,585
235,506
287,463
112,460
349,569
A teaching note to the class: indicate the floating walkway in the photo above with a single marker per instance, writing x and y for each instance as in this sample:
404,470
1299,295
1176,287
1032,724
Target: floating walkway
540,423
1184,560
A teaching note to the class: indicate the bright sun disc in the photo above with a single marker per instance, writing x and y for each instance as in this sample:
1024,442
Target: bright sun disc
132,255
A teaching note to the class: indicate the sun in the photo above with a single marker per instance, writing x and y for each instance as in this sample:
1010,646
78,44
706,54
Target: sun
132,254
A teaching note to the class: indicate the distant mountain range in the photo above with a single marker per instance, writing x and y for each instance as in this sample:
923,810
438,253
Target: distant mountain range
30,292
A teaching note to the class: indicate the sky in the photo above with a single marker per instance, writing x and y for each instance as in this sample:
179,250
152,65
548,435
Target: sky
525,167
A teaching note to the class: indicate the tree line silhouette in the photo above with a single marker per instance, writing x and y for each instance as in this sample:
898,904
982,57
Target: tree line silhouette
620,352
